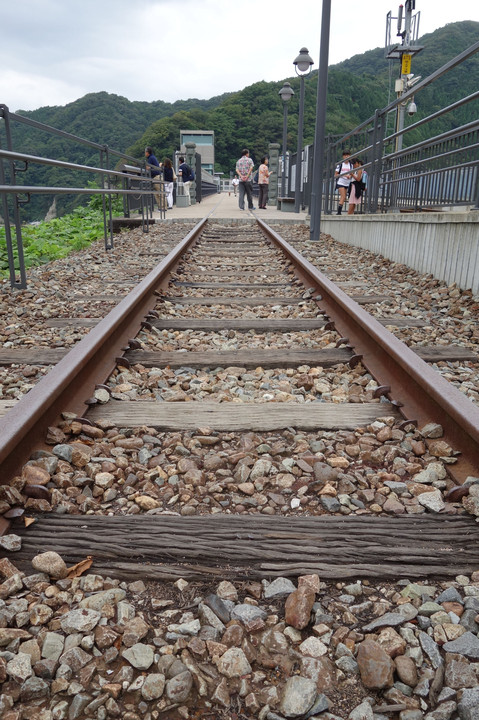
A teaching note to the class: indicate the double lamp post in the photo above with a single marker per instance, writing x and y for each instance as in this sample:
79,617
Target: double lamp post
302,66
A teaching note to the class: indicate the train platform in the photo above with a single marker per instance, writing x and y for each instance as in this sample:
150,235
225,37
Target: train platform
225,206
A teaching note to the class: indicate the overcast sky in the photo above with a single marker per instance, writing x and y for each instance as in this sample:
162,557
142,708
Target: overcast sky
56,51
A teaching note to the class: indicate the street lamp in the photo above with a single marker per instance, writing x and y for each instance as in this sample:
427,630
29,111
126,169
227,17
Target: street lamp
286,93
302,66
320,129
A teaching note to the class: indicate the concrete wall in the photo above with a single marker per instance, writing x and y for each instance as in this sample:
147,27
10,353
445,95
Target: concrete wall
445,244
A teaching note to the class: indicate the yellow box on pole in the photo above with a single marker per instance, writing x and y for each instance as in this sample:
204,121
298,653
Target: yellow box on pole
406,64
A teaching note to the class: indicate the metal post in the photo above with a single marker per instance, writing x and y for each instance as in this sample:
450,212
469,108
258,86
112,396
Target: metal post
299,151
317,184
371,205
285,143
328,205
273,152
107,227
8,231
22,282
378,151
110,201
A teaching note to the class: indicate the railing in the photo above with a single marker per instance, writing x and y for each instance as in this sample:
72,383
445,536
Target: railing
440,171
15,193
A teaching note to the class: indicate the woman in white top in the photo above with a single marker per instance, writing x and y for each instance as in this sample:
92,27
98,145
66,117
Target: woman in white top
342,183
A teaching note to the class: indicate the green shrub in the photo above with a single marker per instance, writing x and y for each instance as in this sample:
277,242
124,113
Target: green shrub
59,237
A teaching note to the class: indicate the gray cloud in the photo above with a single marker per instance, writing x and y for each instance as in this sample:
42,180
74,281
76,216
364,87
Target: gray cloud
59,50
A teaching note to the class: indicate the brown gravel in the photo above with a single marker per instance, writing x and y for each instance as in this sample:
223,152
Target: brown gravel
379,469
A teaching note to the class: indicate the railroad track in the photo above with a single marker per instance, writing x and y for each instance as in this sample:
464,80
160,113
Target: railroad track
235,419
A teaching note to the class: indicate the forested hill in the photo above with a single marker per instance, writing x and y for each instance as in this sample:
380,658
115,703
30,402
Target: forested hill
109,119
252,117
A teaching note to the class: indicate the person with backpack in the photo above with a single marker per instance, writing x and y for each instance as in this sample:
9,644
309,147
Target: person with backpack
342,182
187,176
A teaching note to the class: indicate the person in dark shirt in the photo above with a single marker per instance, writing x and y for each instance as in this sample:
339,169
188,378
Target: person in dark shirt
184,172
153,166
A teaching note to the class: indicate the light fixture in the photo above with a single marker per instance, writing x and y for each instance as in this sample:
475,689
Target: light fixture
302,65
303,62
286,92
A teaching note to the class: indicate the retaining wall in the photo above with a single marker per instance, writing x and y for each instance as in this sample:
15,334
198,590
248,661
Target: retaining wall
445,244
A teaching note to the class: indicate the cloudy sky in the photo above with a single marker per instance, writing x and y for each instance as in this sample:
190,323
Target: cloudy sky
55,51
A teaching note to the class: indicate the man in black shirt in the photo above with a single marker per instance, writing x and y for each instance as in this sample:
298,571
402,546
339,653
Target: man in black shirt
184,171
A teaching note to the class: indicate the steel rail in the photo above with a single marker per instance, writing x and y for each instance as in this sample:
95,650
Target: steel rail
92,360
424,395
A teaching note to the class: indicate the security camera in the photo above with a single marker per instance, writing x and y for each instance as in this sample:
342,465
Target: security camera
412,108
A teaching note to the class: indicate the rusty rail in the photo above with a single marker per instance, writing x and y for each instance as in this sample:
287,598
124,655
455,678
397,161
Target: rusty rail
423,393
91,361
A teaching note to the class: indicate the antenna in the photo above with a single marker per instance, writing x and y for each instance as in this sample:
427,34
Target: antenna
407,28
399,21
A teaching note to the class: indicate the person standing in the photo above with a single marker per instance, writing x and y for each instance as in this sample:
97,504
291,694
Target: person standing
263,181
153,166
235,183
356,186
184,171
244,170
342,183
169,178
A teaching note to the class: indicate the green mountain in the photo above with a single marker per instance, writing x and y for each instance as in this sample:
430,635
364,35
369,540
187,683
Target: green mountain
101,118
252,117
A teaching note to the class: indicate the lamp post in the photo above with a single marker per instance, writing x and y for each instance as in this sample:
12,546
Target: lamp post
286,93
320,129
302,66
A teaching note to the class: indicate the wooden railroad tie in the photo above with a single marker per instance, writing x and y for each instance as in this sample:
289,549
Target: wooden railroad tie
236,417
231,286
258,546
223,300
240,358
266,325
234,271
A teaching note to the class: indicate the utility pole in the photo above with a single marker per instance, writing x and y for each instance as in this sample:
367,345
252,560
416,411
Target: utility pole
408,31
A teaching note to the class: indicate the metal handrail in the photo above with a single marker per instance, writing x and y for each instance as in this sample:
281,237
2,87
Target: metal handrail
10,155
18,192
386,168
